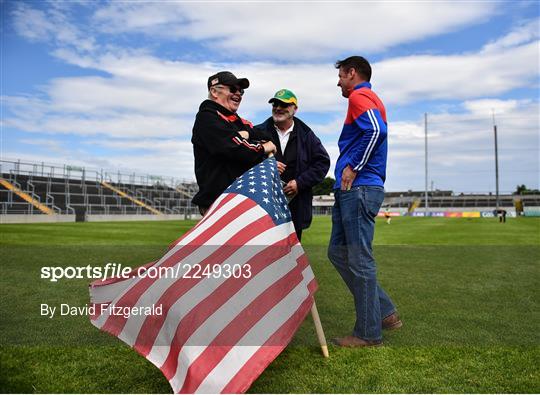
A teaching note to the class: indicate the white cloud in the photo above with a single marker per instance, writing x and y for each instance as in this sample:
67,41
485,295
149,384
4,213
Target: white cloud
50,25
525,32
95,95
470,125
141,102
475,75
178,165
145,87
330,128
146,96
270,30
461,147
163,19
492,106
150,145
460,150
31,23
49,144
118,125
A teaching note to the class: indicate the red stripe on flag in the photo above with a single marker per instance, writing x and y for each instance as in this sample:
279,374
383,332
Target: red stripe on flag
237,328
312,286
187,326
253,368
152,325
115,323
225,200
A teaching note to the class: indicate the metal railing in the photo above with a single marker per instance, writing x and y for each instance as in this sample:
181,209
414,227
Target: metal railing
59,181
83,173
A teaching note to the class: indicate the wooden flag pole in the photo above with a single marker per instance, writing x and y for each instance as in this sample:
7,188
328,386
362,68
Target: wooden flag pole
319,329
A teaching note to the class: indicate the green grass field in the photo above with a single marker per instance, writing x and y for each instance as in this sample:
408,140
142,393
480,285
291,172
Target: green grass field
467,290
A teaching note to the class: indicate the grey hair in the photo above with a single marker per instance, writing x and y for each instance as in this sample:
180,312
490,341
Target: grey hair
210,92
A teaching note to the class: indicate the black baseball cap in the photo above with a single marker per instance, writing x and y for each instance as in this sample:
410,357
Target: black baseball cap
227,78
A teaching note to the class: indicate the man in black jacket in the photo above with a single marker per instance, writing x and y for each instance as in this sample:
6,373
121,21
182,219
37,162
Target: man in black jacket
302,160
221,139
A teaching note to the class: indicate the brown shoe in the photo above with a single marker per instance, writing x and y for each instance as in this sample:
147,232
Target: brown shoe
392,322
353,341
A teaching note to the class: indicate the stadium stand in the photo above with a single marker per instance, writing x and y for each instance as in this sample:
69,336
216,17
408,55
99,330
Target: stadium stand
409,201
28,188
14,191
468,201
32,188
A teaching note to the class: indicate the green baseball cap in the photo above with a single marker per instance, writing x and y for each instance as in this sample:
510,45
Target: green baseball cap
286,96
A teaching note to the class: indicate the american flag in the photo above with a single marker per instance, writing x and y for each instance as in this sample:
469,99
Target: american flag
218,333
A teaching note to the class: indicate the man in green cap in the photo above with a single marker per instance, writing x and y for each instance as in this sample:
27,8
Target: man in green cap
302,160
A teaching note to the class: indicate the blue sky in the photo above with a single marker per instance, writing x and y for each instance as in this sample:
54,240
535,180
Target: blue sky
116,85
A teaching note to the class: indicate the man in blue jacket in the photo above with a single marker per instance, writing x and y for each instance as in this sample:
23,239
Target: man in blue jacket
359,192
302,160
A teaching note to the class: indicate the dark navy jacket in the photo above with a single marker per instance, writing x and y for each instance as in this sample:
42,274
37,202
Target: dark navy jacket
312,164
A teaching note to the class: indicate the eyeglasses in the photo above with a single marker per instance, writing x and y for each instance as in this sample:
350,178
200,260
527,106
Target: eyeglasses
232,89
276,104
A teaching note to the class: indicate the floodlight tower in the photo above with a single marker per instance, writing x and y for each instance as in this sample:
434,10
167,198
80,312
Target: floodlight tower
426,204
496,163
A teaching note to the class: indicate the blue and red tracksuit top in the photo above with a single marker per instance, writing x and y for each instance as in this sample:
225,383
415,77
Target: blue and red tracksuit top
362,143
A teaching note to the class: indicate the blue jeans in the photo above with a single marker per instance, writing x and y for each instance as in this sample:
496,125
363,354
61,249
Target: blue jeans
353,226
